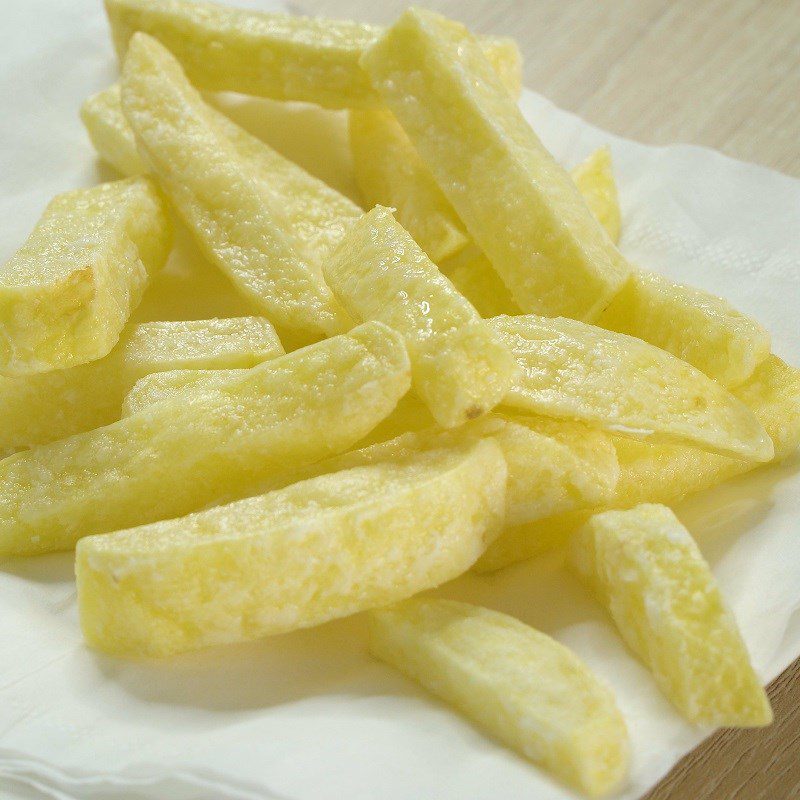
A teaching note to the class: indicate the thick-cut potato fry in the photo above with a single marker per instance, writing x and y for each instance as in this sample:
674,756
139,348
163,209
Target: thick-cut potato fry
228,205
181,455
69,290
662,473
577,371
650,575
282,56
461,369
594,178
553,465
472,273
518,205
694,325
315,215
296,557
389,172
42,408
523,687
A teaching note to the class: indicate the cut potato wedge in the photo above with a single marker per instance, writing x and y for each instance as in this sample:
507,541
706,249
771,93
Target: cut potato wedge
230,208
389,172
461,369
663,473
69,290
282,56
523,687
293,558
315,215
650,575
54,405
181,455
694,325
518,205
626,386
594,178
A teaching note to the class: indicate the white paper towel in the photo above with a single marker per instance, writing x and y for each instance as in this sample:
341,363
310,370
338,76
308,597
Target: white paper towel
309,716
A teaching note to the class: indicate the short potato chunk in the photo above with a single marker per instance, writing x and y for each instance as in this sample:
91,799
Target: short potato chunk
229,205
651,577
41,408
277,55
693,325
626,386
181,455
523,687
461,367
292,558
519,206
69,290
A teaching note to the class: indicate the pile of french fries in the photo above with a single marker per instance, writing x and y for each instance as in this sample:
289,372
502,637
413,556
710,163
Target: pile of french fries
476,376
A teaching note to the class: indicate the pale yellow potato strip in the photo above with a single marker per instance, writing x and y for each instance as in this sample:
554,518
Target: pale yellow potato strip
624,385
661,473
460,366
270,54
523,687
66,294
181,455
54,405
314,214
594,178
694,325
229,207
520,207
296,557
651,577
389,172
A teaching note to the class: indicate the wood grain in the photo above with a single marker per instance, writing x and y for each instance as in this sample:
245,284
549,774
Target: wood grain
720,73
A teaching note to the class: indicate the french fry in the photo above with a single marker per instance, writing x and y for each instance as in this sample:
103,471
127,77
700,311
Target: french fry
518,205
315,215
230,208
282,56
576,371
472,273
69,290
314,551
594,178
661,473
523,687
694,325
389,172
650,575
41,408
180,455
460,366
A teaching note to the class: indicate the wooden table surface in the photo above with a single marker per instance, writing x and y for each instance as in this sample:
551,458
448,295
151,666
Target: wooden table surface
720,73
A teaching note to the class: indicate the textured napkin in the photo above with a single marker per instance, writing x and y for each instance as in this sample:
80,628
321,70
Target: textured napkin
309,716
